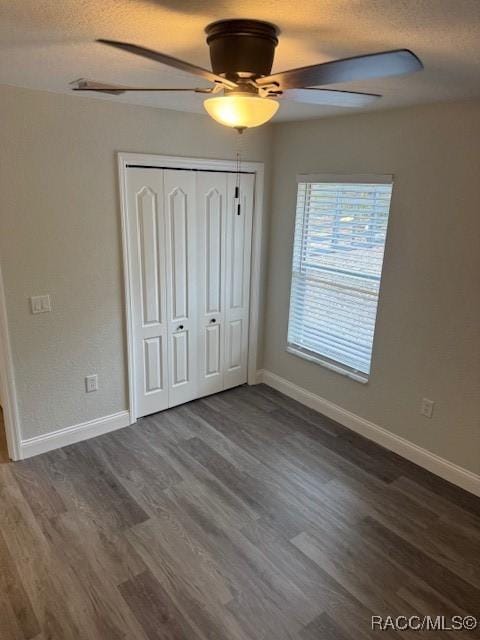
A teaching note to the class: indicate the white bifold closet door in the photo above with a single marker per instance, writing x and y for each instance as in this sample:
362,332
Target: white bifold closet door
189,253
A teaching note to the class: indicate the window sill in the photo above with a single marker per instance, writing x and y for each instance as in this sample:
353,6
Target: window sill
343,371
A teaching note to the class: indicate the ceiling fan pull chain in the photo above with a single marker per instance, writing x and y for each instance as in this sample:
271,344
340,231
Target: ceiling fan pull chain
239,170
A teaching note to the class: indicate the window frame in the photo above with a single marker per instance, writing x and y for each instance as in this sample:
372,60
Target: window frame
297,350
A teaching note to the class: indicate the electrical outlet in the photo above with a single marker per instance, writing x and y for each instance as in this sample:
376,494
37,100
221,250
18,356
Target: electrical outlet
426,407
91,383
40,304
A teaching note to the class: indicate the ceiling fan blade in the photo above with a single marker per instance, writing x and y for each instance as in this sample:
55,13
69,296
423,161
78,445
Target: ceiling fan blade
373,65
331,97
170,61
117,89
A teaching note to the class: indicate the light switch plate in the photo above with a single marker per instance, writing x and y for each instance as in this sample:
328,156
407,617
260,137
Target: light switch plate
91,383
40,304
426,407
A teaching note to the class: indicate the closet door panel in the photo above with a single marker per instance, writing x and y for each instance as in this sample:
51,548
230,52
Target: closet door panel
213,365
237,240
211,263
180,357
180,213
154,378
214,202
146,226
177,213
238,252
234,339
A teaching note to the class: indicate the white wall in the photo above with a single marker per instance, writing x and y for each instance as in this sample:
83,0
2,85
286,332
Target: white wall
427,342
60,234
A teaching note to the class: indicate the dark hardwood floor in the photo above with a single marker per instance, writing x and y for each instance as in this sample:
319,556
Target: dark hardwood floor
243,516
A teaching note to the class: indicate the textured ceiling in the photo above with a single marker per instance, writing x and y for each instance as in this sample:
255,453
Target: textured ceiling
45,44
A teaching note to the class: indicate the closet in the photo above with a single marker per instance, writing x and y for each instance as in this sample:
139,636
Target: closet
189,244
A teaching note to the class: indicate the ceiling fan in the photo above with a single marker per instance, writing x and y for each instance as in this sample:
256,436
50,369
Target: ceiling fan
245,92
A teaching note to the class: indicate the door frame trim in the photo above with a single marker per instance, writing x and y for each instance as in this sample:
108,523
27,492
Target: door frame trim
8,392
201,164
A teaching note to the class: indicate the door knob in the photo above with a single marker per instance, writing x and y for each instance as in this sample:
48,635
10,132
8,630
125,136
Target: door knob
180,327
213,320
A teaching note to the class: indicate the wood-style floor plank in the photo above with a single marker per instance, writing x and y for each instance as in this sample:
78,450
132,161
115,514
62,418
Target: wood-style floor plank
151,605
324,628
241,516
17,611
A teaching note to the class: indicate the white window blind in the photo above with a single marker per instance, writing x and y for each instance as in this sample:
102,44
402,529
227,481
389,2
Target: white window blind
340,231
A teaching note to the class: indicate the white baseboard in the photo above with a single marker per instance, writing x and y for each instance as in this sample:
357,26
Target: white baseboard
76,433
435,464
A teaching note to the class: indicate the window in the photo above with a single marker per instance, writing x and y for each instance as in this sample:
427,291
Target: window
340,231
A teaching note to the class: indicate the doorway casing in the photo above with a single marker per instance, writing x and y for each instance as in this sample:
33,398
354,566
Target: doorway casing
8,394
193,164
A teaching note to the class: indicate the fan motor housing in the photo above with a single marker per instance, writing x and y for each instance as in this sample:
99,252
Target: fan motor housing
242,48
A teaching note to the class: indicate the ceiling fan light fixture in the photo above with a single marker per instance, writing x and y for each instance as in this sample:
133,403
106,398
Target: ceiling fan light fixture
241,110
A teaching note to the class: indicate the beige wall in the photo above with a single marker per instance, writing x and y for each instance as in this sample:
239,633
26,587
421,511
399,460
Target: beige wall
427,342
60,234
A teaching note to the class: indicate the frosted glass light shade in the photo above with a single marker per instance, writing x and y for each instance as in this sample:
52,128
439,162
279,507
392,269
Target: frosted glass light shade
241,110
